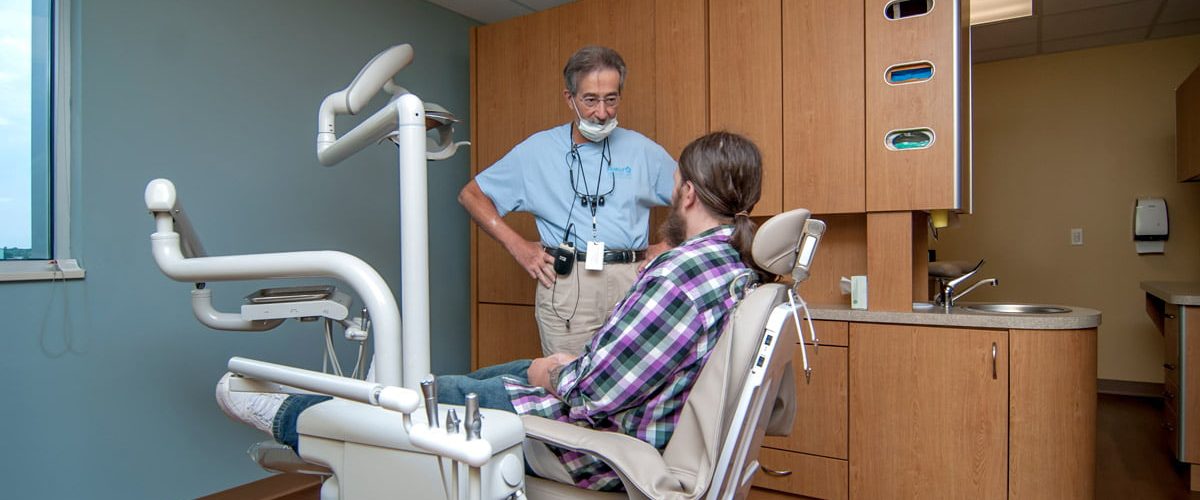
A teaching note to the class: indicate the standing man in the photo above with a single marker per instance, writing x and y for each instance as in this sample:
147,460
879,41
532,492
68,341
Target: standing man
590,186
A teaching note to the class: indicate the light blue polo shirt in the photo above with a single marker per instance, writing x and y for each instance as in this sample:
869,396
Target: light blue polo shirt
535,177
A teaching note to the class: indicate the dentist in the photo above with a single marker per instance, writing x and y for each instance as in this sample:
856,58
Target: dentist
589,185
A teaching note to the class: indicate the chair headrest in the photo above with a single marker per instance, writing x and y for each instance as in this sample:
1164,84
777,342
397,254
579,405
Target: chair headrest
777,241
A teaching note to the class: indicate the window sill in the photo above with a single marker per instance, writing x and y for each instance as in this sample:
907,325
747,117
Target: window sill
33,270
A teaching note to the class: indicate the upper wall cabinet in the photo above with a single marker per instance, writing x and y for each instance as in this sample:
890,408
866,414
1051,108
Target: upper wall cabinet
745,47
823,108
918,81
1187,128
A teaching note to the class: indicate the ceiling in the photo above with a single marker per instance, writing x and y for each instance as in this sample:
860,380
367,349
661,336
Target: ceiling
1055,26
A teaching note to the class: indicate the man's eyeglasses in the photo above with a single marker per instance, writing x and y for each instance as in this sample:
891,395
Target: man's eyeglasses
609,101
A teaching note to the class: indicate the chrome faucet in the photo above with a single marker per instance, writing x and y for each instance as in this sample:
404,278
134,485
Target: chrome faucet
947,297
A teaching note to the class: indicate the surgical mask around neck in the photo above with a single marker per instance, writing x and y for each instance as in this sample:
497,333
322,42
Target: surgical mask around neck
594,131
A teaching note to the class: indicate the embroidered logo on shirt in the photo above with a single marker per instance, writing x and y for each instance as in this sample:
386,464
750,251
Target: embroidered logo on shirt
625,171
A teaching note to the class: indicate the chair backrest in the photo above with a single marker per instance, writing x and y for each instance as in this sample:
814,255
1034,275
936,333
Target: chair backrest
700,437
716,451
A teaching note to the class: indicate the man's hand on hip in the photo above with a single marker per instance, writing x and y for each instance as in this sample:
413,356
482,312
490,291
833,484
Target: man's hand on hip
533,257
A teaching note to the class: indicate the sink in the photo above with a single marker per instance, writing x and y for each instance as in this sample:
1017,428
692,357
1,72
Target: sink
1018,308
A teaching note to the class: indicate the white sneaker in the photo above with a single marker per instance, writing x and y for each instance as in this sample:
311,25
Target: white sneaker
255,408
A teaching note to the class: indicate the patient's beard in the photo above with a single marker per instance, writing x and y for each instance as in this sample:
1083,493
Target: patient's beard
674,229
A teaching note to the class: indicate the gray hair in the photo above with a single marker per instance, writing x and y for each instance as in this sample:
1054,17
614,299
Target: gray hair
589,59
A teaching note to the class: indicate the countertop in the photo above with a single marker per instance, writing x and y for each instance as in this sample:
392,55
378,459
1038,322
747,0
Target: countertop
1184,293
1078,318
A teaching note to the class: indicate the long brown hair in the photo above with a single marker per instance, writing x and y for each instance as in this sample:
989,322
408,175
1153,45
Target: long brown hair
726,170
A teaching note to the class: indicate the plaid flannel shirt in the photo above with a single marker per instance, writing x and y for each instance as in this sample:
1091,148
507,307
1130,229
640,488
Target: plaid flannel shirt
637,371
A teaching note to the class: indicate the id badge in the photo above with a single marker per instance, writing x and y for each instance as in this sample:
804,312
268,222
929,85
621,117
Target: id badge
595,256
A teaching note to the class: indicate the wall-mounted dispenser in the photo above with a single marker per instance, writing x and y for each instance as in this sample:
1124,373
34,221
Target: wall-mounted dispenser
1150,227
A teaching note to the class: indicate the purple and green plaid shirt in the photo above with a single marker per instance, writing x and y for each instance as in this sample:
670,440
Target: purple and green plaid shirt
639,368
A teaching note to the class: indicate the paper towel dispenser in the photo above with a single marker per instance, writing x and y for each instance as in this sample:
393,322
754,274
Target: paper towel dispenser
1150,219
1150,225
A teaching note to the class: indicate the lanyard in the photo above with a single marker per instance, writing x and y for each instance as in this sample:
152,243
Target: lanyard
587,198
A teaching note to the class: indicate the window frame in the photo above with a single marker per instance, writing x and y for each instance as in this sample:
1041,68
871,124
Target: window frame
61,266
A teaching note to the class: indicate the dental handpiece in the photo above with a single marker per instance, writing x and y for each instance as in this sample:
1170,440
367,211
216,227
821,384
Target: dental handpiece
452,422
472,421
429,390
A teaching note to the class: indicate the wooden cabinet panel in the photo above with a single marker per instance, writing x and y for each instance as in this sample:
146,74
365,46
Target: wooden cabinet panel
928,412
823,106
808,475
1188,400
1052,414
1187,128
746,83
506,333
831,333
890,261
915,179
843,252
500,280
821,420
681,67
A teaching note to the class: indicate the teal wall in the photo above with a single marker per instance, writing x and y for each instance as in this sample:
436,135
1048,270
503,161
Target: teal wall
111,378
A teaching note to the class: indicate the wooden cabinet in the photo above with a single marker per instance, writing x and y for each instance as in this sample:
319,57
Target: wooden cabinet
917,80
906,411
1187,128
823,106
928,412
746,84
812,461
1179,323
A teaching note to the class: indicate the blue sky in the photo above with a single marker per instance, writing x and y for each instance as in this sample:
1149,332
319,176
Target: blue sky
15,106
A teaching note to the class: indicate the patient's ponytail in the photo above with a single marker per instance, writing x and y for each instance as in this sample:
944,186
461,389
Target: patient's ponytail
726,170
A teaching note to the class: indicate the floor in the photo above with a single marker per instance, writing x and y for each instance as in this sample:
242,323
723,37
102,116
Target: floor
1132,457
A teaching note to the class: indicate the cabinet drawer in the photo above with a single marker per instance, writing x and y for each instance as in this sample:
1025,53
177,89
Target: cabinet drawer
821,406
813,476
830,333
1171,332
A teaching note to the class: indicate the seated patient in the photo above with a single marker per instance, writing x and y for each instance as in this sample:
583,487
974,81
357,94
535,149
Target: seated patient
637,371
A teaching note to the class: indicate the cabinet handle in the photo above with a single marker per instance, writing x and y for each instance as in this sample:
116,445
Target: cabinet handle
774,473
1169,427
1169,316
1169,366
1168,395
994,352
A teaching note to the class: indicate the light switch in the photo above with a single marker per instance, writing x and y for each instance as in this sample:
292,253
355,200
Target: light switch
1077,236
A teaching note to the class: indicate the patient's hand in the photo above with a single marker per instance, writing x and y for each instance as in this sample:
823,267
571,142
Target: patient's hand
543,372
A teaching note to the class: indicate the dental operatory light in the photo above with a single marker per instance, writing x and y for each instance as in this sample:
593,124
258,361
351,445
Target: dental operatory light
991,11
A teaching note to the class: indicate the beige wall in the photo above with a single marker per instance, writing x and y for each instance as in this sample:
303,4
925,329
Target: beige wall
1072,140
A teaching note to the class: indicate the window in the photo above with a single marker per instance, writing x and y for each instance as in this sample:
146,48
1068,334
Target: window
34,126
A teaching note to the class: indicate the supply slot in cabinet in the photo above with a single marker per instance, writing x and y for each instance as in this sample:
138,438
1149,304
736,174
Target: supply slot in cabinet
914,72
903,9
909,139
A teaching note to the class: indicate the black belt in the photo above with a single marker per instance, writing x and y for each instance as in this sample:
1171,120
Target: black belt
612,256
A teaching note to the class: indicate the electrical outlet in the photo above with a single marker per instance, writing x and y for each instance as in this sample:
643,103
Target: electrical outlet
1077,236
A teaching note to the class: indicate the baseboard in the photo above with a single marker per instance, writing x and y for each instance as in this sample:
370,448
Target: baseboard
277,487
1128,388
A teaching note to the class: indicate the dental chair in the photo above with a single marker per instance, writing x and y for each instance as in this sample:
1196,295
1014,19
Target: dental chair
381,437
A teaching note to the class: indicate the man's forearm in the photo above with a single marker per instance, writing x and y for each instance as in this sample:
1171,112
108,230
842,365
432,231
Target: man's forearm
484,213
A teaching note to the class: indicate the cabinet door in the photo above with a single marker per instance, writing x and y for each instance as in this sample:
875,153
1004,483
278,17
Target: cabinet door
1052,415
820,426
823,106
746,83
928,412
512,334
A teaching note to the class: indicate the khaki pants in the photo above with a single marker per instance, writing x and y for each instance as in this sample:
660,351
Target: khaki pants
571,311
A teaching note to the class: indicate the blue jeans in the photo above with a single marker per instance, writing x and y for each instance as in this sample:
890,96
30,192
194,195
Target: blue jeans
487,383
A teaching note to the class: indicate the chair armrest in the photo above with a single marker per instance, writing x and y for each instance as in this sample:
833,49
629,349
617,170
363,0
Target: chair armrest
640,465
